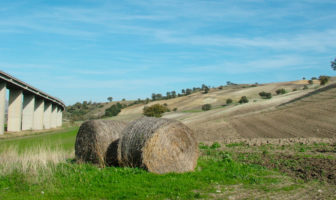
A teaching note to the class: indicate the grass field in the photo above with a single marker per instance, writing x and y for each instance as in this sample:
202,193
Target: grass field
42,167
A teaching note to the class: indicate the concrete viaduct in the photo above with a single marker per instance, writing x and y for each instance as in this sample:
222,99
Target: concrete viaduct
28,107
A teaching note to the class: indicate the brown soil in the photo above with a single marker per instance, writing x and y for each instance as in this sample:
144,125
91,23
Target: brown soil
304,168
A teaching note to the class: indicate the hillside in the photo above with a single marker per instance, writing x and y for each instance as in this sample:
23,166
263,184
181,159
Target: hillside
217,97
301,113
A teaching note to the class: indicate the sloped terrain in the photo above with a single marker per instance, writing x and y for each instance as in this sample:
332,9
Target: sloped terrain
314,115
217,97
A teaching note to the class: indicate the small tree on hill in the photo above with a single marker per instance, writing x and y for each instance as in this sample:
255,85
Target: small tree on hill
243,99
333,64
265,95
280,91
206,89
324,80
110,99
155,110
228,101
114,110
206,107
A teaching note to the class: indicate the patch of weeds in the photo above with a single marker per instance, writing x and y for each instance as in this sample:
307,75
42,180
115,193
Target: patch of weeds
215,145
203,146
237,144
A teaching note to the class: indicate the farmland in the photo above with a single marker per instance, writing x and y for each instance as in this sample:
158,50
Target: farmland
279,148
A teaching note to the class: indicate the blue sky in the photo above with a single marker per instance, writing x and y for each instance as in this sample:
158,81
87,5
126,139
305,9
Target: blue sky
89,50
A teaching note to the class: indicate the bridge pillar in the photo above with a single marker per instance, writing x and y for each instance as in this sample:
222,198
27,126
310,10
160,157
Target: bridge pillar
53,116
60,123
14,110
2,107
47,115
38,114
28,112
60,116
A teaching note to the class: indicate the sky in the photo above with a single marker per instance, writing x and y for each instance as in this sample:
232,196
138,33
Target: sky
90,50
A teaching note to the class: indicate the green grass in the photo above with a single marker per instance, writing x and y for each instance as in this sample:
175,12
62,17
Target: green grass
85,181
69,180
64,139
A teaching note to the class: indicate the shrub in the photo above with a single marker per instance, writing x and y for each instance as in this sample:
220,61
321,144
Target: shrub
155,110
215,145
280,91
206,107
324,80
175,109
114,110
295,89
305,87
265,95
310,82
243,99
229,101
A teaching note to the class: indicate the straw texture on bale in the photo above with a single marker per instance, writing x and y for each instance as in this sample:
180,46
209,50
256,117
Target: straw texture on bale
94,138
158,145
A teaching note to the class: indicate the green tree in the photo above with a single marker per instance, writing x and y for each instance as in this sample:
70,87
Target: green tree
155,110
243,99
228,101
324,80
188,91
206,89
173,93
265,95
206,107
333,64
280,91
110,99
114,110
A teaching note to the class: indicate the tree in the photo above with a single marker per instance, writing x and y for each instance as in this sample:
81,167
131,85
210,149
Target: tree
310,82
333,64
173,93
114,110
155,110
188,91
280,91
168,95
206,107
110,99
228,101
153,96
265,95
183,91
206,89
243,99
324,80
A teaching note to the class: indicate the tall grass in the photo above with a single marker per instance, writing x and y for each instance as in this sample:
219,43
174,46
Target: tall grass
32,162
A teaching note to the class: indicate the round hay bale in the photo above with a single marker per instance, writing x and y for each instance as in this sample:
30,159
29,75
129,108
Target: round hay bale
94,138
158,145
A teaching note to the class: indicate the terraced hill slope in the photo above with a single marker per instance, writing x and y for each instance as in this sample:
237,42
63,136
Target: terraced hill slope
304,115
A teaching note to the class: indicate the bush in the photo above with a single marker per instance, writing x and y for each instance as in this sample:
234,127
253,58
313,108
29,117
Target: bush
175,109
265,95
243,99
229,101
280,91
305,87
206,107
114,110
155,110
310,82
295,89
324,80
